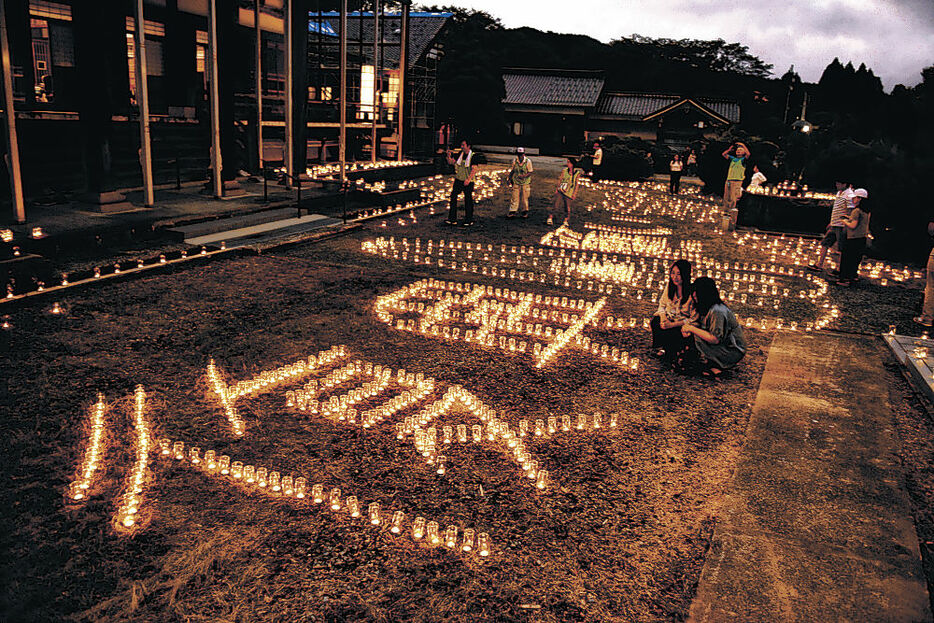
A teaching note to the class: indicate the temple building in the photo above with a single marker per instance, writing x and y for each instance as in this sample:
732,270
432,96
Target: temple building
75,87
555,110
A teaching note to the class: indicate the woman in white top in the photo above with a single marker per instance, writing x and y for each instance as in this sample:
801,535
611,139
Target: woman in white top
675,309
674,178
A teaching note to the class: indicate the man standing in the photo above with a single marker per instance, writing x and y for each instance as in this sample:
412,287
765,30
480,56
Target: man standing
520,178
835,235
565,193
596,162
737,154
464,171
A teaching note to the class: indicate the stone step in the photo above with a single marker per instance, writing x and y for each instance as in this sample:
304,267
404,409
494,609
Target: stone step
264,231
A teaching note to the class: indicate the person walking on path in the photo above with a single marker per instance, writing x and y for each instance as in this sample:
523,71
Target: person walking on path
674,174
718,337
737,154
596,162
926,319
835,235
464,171
565,192
857,230
520,178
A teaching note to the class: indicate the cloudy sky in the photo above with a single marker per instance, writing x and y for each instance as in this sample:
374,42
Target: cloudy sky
893,37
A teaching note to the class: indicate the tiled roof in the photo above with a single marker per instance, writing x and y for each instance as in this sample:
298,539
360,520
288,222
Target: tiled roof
553,87
423,29
633,104
640,105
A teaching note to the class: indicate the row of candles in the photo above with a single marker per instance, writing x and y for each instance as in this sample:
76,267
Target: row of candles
493,314
266,381
272,482
737,279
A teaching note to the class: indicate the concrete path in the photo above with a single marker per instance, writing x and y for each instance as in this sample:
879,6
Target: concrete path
817,526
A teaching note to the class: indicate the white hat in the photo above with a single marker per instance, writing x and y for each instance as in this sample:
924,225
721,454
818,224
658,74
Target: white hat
520,150
861,192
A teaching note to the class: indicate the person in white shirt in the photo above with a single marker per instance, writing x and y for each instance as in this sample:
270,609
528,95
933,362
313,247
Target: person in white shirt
757,179
596,162
674,174
835,236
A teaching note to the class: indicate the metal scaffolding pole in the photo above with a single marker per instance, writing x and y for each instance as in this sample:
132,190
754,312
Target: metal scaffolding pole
259,86
16,181
374,146
342,142
214,102
142,99
289,121
403,67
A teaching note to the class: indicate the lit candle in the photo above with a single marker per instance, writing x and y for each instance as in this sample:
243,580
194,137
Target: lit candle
335,499
373,512
397,518
353,506
467,544
483,544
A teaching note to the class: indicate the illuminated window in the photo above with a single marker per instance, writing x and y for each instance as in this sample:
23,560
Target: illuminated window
201,55
517,129
154,62
53,10
326,94
367,101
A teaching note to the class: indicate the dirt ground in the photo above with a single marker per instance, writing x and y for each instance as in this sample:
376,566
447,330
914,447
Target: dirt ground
619,535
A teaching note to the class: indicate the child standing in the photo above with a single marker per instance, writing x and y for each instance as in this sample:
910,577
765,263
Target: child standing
857,229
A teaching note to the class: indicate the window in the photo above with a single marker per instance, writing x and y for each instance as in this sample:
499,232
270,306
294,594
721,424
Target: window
53,44
516,129
155,32
52,10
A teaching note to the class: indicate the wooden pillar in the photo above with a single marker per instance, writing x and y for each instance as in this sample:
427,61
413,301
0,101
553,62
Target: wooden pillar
258,84
342,137
374,138
100,42
299,85
142,99
403,73
12,152
232,58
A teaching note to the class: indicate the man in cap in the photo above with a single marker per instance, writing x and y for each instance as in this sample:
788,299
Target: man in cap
520,178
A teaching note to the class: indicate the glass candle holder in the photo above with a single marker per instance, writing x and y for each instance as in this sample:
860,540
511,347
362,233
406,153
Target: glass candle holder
274,481
477,433
373,512
164,446
483,544
614,420
552,425
223,464
450,537
418,528
249,474
76,491
317,493
194,455
448,434
236,470
442,464
467,543
300,487
542,480
334,500
261,477
210,459
565,423
539,427
397,518
523,428
432,533
288,485
597,420
462,433
178,450
353,506
581,421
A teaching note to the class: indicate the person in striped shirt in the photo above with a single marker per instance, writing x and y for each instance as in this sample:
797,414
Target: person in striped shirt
835,236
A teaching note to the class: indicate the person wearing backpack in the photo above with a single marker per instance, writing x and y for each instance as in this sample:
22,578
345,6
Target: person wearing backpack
854,245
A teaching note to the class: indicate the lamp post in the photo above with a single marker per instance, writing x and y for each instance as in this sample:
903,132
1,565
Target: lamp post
804,127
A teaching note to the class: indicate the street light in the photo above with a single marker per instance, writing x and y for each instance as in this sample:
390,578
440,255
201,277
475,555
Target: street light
804,127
